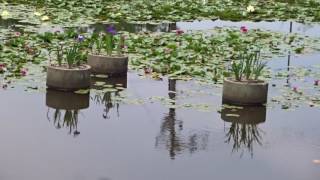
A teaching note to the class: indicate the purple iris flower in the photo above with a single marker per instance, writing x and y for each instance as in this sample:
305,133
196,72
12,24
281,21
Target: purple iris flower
80,38
112,30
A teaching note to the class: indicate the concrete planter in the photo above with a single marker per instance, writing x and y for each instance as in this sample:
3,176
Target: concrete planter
244,92
112,66
246,115
66,100
62,78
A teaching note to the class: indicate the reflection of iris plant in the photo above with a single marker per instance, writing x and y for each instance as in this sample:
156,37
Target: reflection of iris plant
69,120
108,100
243,136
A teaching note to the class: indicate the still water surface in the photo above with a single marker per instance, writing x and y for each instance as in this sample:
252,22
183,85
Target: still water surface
150,141
106,140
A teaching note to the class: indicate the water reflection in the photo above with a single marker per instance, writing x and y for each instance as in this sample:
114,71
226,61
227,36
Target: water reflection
67,106
289,59
114,86
8,22
171,131
131,27
244,132
307,29
14,24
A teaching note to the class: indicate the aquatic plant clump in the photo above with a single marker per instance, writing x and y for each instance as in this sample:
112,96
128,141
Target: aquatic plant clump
247,63
72,55
107,42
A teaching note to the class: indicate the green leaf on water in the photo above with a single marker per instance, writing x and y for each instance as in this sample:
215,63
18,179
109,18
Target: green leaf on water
109,90
232,115
82,91
108,86
120,88
99,83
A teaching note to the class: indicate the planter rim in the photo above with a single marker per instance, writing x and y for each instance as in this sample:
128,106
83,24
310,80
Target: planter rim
115,57
249,83
86,67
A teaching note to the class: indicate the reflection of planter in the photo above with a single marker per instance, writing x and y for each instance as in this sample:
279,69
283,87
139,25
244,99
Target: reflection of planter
66,100
62,78
244,92
112,66
114,81
247,115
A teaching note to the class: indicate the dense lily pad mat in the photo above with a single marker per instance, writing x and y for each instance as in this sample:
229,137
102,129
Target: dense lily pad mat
302,87
207,54
79,11
202,55
197,54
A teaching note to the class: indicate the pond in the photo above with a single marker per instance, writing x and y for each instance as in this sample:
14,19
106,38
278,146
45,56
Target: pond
143,139
160,128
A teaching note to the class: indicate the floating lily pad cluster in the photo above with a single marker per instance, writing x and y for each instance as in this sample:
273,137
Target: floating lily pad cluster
196,54
18,49
77,12
207,54
298,87
203,55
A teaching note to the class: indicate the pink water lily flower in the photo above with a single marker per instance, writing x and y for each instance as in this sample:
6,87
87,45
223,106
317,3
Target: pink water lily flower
179,31
23,71
17,34
243,29
124,47
3,68
147,70
295,88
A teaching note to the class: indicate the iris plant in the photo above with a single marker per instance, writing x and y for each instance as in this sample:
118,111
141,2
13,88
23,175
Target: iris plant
109,41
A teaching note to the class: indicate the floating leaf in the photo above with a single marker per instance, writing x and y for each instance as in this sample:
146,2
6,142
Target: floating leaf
99,83
109,90
232,115
82,91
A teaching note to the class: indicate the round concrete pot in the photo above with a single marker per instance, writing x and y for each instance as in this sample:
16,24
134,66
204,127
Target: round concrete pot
67,100
112,66
246,115
62,78
244,92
